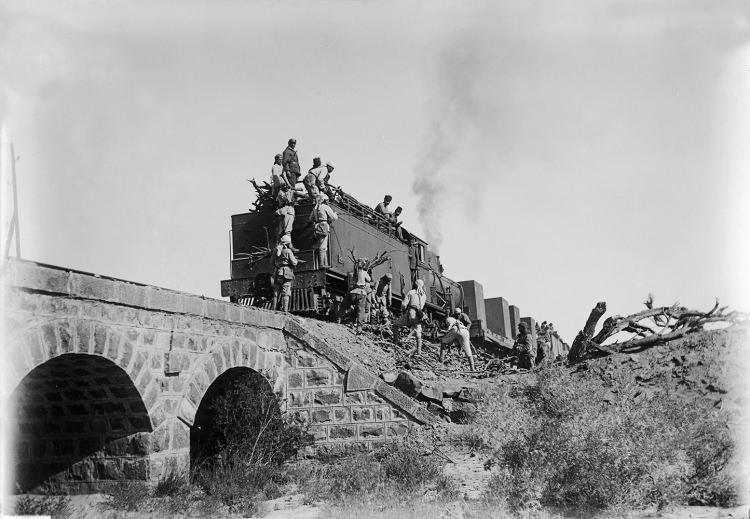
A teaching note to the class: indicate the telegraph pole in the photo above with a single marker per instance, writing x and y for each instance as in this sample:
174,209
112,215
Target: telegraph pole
13,229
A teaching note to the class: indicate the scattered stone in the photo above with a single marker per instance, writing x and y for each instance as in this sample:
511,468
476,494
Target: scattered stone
435,409
467,394
434,394
389,376
408,383
451,390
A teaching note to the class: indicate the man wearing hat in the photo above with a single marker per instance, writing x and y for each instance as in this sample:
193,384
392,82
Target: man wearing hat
290,162
522,347
321,217
283,261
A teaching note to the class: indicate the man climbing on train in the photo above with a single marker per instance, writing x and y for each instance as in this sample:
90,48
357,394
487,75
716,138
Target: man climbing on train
283,261
412,314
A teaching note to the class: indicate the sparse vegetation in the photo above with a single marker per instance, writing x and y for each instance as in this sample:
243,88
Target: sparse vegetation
57,507
560,442
397,469
127,496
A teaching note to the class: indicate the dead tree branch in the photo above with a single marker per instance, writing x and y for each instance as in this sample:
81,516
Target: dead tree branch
673,321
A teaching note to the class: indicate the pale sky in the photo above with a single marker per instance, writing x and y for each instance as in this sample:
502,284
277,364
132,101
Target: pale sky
559,152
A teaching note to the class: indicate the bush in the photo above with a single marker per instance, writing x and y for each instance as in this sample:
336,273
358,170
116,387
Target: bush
58,507
126,495
169,485
406,468
560,444
397,469
244,451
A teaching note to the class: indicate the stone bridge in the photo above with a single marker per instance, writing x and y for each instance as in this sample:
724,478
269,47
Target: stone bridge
107,379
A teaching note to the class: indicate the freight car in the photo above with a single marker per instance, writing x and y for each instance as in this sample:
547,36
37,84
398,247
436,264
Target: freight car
319,290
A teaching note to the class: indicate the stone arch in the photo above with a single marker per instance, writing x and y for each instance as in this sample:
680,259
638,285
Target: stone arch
206,436
41,341
81,423
227,355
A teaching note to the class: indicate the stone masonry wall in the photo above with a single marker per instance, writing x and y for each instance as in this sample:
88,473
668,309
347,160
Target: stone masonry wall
172,346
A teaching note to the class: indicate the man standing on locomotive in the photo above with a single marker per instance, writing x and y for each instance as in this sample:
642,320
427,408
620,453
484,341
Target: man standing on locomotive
283,261
277,176
313,181
290,162
321,217
412,312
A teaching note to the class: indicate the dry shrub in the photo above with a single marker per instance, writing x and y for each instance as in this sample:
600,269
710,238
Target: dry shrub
397,469
559,443
250,444
57,507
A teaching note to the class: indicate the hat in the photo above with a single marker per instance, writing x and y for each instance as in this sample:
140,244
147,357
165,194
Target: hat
329,164
389,275
286,239
457,310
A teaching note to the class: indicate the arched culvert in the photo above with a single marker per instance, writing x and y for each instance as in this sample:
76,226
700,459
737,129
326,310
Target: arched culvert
80,425
238,408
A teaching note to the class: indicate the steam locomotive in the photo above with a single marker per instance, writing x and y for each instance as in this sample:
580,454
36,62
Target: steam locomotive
320,290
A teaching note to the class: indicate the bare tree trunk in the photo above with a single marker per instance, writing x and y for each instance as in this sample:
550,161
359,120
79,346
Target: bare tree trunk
582,340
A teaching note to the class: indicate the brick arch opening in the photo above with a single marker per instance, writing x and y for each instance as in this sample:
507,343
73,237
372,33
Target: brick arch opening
80,424
206,435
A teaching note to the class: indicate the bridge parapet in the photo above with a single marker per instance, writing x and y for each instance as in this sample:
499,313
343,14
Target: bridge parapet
170,347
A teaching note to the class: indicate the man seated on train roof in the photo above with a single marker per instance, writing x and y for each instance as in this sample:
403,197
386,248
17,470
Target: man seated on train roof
382,207
396,223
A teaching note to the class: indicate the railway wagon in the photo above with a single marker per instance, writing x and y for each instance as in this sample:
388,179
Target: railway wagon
319,290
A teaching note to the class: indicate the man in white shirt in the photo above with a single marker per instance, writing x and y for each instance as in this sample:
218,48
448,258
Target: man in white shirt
412,313
457,332
277,176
